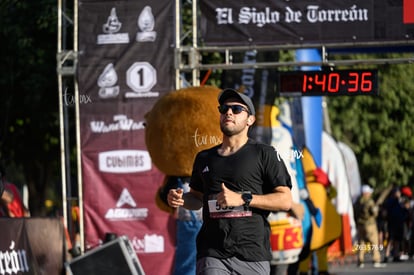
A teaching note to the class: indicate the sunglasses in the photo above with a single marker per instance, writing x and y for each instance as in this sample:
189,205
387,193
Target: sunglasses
236,109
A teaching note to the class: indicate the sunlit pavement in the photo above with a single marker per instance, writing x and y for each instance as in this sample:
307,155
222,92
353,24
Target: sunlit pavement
349,266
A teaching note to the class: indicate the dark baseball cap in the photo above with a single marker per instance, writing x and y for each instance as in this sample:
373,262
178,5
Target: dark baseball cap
230,93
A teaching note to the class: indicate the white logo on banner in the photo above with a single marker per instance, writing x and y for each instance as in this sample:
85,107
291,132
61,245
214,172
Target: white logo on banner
110,28
152,243
107,81
126,198
13,261
313,14
124,161
146,24
125,214
121,123
141,78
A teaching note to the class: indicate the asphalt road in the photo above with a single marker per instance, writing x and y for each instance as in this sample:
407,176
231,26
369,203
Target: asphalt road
350,267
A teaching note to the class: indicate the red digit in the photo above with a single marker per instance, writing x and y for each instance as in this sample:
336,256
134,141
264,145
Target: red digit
320,79
353,80
304,86
366,84
333,83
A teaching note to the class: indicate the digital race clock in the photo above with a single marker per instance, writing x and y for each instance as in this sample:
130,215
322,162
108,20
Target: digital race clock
327,83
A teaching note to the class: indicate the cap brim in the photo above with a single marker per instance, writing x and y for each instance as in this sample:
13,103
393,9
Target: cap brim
230,93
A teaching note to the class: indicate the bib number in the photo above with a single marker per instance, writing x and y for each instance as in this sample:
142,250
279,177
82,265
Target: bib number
216,211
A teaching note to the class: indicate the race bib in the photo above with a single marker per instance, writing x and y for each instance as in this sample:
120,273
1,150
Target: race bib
229,212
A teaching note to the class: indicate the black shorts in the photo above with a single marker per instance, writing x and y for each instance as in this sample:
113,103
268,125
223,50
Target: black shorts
215,266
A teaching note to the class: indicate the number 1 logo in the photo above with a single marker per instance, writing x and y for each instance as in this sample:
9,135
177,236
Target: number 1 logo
141,77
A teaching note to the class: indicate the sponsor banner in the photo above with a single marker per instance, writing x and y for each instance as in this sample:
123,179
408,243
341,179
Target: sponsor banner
272,22
125,50
125,65
39,252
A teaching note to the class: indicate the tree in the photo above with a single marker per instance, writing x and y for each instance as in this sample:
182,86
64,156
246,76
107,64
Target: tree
29,125
380,129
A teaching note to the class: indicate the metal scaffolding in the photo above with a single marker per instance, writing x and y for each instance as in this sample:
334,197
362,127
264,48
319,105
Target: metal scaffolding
67,60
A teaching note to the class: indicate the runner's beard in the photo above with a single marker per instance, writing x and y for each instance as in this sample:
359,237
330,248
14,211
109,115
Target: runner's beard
230,131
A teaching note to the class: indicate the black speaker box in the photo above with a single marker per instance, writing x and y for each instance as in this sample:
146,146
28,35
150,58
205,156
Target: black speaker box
111,258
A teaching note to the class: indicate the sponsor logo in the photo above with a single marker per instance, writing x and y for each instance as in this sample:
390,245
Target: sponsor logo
141,77
124,161
13,261
151,243
107,82
313,14
110,28
126,198
121,213
146,24
121,123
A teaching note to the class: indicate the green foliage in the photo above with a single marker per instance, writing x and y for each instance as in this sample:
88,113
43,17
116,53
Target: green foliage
29,99
380,129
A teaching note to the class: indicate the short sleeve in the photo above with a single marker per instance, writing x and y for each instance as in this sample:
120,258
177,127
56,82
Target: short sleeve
275,169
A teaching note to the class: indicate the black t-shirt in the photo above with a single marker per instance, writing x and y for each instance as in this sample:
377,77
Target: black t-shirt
255,167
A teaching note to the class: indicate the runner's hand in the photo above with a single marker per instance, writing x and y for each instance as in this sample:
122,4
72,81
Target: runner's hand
175,198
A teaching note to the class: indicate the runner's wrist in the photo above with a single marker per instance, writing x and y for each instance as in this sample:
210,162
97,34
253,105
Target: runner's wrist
247,198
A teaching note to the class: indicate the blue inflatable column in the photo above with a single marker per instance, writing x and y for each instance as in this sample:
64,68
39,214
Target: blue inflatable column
312,108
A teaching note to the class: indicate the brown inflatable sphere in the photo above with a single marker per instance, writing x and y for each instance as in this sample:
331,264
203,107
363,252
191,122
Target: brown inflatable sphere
180,124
